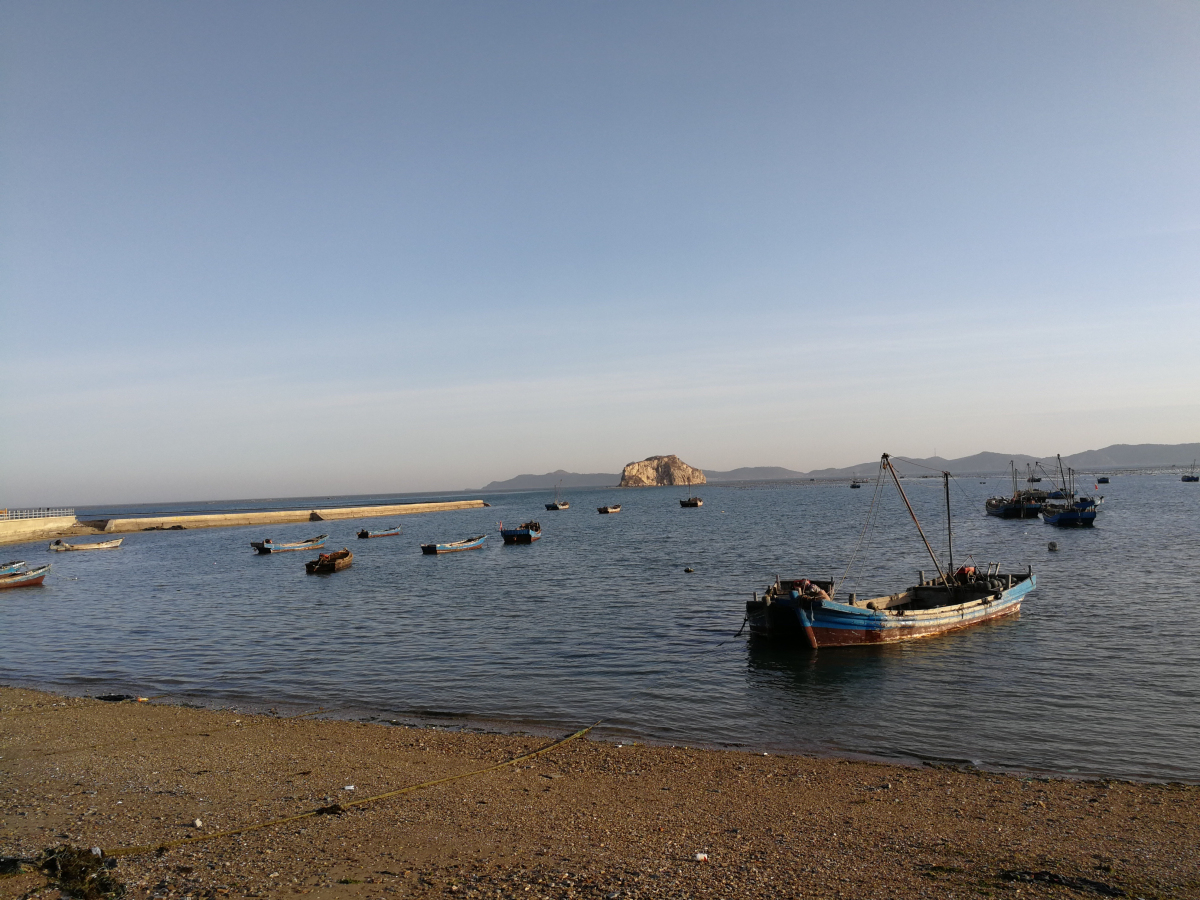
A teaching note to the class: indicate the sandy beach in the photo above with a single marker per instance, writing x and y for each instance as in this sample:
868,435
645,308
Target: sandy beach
587,818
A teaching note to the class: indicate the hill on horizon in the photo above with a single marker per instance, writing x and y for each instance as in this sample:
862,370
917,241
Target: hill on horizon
1116,456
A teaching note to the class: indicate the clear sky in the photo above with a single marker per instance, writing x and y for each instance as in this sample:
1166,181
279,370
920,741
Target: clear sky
293,248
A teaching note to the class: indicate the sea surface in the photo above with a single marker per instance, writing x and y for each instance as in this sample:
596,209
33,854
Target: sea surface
1098,676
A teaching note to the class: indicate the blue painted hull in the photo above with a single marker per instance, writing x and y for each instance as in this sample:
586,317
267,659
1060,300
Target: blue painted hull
9,568
919,614
455,546
1070,518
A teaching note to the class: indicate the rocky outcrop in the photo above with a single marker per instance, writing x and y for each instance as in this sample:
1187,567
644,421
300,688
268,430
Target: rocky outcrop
660,470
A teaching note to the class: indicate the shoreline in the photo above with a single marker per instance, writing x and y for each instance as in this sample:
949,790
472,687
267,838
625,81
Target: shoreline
458,724
588,818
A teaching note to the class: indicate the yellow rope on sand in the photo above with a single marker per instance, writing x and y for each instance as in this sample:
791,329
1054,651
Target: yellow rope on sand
336,808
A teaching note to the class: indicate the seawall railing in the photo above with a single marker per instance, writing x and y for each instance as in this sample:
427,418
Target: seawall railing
43,512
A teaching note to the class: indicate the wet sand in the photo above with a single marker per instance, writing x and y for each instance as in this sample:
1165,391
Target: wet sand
586,819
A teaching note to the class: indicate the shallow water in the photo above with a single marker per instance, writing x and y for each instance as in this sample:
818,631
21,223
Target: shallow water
1099,675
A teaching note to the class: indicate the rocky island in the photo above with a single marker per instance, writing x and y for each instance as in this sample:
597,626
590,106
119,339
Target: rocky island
660,470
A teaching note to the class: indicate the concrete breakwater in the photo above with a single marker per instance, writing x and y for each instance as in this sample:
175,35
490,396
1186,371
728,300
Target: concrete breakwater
35,529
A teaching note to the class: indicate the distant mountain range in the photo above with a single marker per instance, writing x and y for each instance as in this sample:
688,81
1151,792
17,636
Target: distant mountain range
1118,456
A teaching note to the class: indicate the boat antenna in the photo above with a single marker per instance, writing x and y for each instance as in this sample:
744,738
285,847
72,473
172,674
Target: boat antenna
886,462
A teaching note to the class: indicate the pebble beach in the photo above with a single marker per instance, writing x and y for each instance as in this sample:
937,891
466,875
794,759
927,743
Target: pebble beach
157,786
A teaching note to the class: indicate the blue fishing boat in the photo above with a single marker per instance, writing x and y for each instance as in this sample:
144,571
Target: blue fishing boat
1021,505
1074,512
9,567
810,612
525,533
387,532
471,543
26,578
1191,476
1103,479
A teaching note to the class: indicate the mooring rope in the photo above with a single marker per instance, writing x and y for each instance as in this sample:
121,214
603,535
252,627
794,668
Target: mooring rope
336,808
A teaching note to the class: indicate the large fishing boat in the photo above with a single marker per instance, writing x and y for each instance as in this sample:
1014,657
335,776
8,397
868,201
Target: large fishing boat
811,613
1021,505
1074,511
525,533
1191,476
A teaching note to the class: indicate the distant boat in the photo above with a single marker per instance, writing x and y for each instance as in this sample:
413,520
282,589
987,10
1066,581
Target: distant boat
1103,479
374,534
1074,512
1191,476
811,611
525,533
28,578
330,562
605,510
1021,505
61,545
9,568
270,546
691,501
470,543
855,483
558,502
1033,478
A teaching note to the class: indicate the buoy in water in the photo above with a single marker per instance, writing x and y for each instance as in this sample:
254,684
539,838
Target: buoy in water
1052,546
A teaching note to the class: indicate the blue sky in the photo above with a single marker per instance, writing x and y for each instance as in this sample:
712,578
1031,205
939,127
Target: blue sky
295,248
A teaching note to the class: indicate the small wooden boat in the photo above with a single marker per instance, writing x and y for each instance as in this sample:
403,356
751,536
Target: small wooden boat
9,568
391,532
28,578
62,546
525,533
330,562
270,546
558,502
811,612
605,510
470,543
691,502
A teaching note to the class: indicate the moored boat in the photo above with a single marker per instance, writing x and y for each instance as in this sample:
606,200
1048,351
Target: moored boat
270,546
389,532
9,568
26,578
810,611
1021,505
330,562
558,502
605,510
1103,479
62,546
470,543
1074,511
525,533
1191,476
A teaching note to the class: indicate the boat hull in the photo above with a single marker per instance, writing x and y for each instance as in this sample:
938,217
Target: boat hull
268,546
61,546
455,547
691,503
328,563
828,623
1015,510
32,578
561,504
376,534
608,510
1071,518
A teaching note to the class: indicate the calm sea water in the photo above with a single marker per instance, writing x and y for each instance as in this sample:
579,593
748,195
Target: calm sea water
1099,675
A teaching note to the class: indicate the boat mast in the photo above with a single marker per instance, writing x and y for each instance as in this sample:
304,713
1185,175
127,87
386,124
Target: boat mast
1061,474
949,533
937,565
